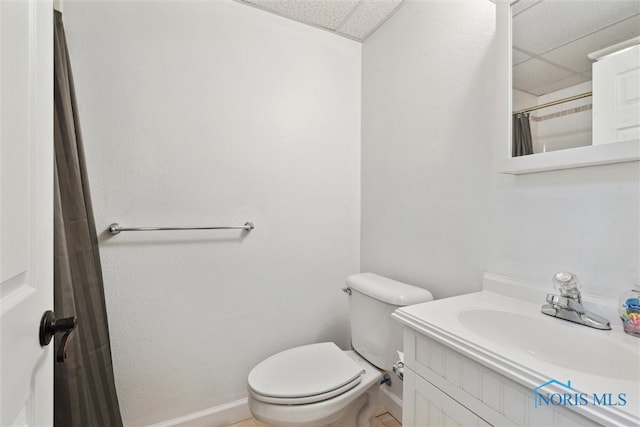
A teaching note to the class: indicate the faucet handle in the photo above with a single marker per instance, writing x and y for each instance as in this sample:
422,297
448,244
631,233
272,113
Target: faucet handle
554,300
567,284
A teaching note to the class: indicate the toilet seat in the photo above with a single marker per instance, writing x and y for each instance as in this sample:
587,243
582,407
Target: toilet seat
306,399
305,374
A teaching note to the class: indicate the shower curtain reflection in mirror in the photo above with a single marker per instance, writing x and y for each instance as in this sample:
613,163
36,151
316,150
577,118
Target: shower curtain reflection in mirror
522,142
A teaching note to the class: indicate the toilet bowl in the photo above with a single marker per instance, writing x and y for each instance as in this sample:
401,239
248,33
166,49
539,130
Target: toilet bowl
321,385
314,385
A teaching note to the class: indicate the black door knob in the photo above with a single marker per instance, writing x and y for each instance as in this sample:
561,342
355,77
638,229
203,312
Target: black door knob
50,325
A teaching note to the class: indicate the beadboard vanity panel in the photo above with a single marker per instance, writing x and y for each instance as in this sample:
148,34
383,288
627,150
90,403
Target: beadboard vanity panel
441,382
426,405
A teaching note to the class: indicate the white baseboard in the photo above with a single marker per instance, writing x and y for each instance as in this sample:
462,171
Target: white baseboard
218,416
238,410
392,404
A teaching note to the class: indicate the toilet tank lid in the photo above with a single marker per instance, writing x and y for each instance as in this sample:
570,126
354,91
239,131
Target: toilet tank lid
388,290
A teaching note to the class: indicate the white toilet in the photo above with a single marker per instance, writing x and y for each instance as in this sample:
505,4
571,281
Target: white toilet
321,385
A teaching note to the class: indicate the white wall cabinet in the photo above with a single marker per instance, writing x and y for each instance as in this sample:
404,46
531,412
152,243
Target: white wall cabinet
442,387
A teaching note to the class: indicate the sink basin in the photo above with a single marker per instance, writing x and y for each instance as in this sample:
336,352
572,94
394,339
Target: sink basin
546,339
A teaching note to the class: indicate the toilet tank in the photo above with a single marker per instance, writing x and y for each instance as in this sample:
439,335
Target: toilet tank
374,334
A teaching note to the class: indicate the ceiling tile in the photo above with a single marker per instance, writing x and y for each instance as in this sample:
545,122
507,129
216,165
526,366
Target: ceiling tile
519,56
323,13
534,73
367,17
539,28
521,5
553,86
574,55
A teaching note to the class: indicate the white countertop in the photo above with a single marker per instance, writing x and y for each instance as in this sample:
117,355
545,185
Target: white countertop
605,361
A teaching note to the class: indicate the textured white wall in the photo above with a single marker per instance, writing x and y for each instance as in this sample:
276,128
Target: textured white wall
205,113
216,113
434,212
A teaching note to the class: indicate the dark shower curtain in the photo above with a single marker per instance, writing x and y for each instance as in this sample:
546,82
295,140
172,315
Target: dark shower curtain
522,142
84,388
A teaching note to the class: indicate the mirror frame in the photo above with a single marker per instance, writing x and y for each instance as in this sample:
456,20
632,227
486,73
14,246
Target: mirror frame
616,152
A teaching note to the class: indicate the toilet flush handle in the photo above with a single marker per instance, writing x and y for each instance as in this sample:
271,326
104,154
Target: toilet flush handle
347,290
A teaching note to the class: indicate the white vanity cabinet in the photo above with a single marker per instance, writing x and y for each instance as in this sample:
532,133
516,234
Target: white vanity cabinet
442,387
492,358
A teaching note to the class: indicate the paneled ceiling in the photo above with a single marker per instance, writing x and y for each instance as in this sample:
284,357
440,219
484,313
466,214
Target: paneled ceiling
552,38
356,19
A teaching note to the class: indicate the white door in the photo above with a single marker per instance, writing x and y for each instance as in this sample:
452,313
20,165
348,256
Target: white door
616,97
26,210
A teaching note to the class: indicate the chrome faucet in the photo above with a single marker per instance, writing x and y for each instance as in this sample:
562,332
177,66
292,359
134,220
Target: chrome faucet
568,305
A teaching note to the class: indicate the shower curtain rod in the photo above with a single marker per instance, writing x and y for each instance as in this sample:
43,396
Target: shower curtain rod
549,104
116,228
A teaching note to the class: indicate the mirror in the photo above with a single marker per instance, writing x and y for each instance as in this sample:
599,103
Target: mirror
551,44
549,58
